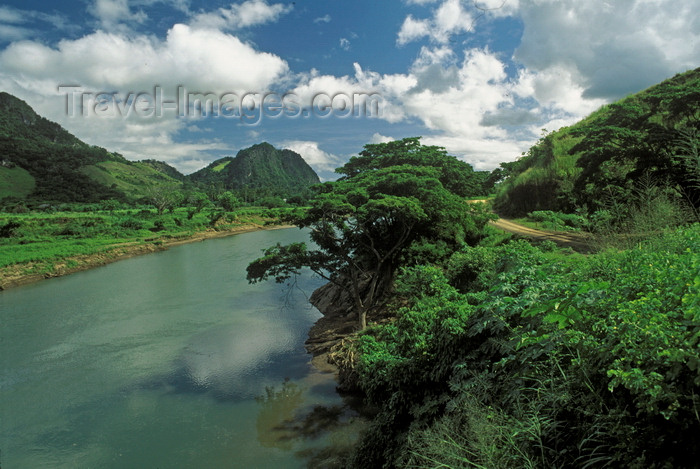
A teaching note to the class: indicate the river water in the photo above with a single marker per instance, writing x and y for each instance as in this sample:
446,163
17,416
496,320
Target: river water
170,360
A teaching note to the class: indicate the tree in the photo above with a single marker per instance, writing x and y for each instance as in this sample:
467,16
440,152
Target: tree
391,196
228,201
163,196
198,200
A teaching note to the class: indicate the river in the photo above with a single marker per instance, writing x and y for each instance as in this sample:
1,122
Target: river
170,360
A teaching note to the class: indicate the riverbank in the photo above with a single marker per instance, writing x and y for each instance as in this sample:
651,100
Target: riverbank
25,273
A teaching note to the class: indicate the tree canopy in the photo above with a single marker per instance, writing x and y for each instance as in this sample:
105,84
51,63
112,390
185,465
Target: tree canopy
392,196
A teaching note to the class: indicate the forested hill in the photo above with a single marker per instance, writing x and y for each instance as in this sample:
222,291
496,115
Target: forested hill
41,161
284,172
651,138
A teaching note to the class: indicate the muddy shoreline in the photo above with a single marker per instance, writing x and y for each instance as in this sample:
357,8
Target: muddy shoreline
12,279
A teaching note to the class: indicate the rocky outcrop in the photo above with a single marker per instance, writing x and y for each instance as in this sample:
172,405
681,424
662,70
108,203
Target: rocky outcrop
327,338
331,300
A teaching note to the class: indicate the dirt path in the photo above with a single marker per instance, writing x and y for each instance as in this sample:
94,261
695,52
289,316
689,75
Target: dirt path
576,241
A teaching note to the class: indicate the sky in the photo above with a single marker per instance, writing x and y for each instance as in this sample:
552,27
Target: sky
191,81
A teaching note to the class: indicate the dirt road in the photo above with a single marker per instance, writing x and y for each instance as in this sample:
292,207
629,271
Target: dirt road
576,241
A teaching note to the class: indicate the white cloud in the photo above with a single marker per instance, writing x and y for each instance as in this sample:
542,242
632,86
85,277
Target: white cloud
321,161
242,15
323,19
115,61
126,62
10,32
379,138
388,87
10,15
413,29
111,13
610,48
344,43
574,57
448,19
15,23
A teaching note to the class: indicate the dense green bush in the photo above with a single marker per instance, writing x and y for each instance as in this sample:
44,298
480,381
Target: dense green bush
559,221
565,362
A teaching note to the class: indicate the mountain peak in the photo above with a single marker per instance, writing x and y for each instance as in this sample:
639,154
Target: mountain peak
260,166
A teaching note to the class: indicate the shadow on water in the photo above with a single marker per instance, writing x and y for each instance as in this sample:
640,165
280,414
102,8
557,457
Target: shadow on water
322,435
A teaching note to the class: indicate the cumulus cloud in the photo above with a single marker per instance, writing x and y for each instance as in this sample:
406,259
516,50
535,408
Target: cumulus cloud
379,138
610,48
114,61
386,88
344,43
413,29
125,62
111,13
448,19
321,161
238,16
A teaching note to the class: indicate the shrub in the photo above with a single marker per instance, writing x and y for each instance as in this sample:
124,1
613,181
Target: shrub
131,223
555,362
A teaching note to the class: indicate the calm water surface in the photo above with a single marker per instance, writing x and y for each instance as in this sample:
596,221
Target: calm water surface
169,360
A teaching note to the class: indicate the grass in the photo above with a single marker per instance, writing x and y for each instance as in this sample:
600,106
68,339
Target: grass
131,179
15,182
39,242
220,166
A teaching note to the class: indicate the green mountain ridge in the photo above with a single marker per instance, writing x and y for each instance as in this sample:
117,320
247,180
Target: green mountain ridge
602,159
260,166
40,161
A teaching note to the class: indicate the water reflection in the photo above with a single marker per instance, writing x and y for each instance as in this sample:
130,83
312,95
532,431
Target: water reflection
323,435
156,362
277,409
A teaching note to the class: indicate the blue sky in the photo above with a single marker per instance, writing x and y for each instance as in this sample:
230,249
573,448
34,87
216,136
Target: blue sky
481,78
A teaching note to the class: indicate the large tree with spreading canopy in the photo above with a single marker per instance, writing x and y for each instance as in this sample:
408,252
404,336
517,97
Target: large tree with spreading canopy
389,197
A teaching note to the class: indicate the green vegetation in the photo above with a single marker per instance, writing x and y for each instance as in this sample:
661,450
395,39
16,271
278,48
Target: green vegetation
596,164
259,171
511,356
15,182
488,352
217,168
133,179
40,162
473,349
47,243
396,203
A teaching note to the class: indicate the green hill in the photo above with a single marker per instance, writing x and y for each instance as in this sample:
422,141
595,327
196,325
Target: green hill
262,166
649,138
41,161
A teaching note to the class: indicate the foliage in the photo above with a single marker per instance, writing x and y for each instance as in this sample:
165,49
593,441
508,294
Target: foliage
43,162
651,133
228,201
391,198
539,360
39,242
456,176
280,172
558,221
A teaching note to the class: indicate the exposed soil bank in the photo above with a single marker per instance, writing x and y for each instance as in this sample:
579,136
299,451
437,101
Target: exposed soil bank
337,323
15,275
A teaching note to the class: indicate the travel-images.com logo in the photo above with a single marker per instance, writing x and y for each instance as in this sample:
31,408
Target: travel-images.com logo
250,108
